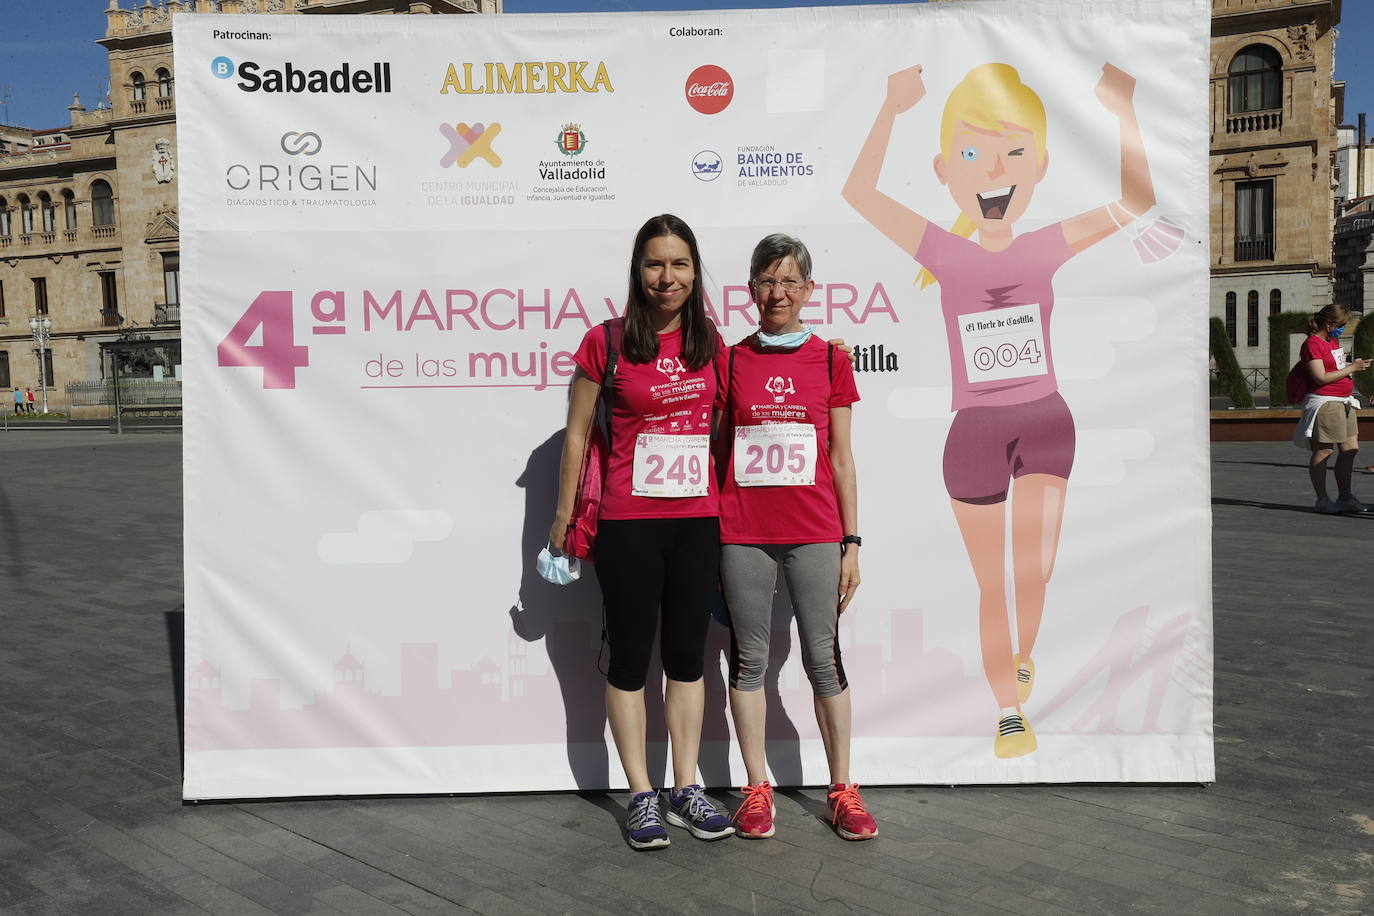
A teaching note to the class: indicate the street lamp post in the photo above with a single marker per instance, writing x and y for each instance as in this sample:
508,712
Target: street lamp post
42,336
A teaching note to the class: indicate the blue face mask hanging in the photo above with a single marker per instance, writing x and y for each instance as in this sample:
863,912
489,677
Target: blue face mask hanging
788,341
560,570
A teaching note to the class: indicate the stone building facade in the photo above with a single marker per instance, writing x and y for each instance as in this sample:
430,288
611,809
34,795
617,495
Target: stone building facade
1274,111
89,231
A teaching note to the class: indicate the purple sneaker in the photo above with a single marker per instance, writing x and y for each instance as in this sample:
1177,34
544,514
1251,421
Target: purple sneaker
689,807
643,827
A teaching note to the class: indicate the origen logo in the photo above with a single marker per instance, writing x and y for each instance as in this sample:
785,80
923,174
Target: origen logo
706,165
709,89
468,143
222,67
300,144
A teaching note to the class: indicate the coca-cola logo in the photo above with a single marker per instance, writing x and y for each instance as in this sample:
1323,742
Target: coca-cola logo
709,89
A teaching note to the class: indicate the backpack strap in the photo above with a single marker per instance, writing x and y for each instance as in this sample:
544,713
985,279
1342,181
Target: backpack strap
830,363
614,329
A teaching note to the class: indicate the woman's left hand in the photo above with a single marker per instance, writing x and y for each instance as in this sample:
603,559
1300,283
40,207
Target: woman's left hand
849,574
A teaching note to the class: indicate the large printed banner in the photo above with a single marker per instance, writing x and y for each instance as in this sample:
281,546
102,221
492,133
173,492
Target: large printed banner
397,229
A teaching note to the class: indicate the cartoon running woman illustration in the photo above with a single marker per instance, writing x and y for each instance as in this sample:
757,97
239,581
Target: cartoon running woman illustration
1011,430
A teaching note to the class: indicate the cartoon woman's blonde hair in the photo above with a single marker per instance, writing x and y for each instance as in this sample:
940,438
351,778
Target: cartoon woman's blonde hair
989,97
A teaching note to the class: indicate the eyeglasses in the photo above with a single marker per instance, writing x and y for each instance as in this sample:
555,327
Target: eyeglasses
765,285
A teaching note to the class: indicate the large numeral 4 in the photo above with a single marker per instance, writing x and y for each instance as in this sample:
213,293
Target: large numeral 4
277,356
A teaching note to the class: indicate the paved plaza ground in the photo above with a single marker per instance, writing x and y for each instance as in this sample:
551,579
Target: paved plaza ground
91,818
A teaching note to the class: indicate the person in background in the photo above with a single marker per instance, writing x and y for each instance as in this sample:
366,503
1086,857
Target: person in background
1328,421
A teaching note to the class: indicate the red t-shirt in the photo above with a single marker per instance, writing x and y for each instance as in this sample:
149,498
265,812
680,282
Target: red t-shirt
782,386
1333,359
661,397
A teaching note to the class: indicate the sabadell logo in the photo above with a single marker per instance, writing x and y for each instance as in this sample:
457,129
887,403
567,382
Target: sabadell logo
374,77
709,89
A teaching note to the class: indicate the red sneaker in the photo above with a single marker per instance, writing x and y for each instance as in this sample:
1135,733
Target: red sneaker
754,817
848,815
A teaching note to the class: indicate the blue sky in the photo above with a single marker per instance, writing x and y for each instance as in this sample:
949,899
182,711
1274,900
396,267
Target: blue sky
47,49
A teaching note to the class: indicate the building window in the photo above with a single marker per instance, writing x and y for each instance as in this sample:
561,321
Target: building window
40,295
102,204
164,84
1231,318
109,299
1275,302
1255,220
140,86
4,369
1252,319
49,213
47,369
1255,80
4,218
2,298
69,210
25,215
171,276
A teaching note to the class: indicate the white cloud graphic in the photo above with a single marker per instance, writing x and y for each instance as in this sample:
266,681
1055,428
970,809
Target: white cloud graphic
919,403
385,536
1102,454
1084,331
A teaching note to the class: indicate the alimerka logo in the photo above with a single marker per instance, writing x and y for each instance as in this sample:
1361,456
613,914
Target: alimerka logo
468,143
525,76
374,77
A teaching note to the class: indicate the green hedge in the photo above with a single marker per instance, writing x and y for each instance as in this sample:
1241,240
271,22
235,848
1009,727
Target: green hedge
1229,381
1281,327
1364,349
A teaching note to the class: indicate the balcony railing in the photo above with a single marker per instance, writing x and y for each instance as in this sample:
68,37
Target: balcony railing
1254,121
56,237
167,313
164,103
111,318
138,106
1256,248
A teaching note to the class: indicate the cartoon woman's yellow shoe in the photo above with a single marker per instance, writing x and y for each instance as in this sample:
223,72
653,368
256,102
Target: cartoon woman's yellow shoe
1014,737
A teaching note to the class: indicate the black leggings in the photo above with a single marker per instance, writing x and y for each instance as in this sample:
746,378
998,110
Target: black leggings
652,565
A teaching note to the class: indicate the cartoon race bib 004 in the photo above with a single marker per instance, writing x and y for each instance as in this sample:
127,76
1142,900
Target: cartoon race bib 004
1005,343
671,466
775,455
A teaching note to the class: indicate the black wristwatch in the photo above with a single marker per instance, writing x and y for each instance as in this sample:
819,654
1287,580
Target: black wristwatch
852,539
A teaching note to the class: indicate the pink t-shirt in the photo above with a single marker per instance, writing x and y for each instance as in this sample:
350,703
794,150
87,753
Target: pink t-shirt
783,386
997,307
1326,351
661,397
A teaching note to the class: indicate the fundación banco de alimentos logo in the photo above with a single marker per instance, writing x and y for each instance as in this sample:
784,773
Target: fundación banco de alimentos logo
469,143
706,165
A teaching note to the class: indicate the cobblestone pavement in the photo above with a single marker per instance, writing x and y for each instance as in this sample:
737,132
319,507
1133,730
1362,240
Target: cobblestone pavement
91,819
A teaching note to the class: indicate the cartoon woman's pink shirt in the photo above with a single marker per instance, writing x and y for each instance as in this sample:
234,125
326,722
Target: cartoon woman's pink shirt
997,307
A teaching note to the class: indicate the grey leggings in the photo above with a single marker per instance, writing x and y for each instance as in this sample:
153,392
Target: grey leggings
749,573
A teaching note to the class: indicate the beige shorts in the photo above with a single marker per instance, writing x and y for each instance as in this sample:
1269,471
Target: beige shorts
1335,423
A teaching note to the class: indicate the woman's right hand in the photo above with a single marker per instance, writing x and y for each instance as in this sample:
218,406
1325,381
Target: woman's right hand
558,533
1362,364
905,88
